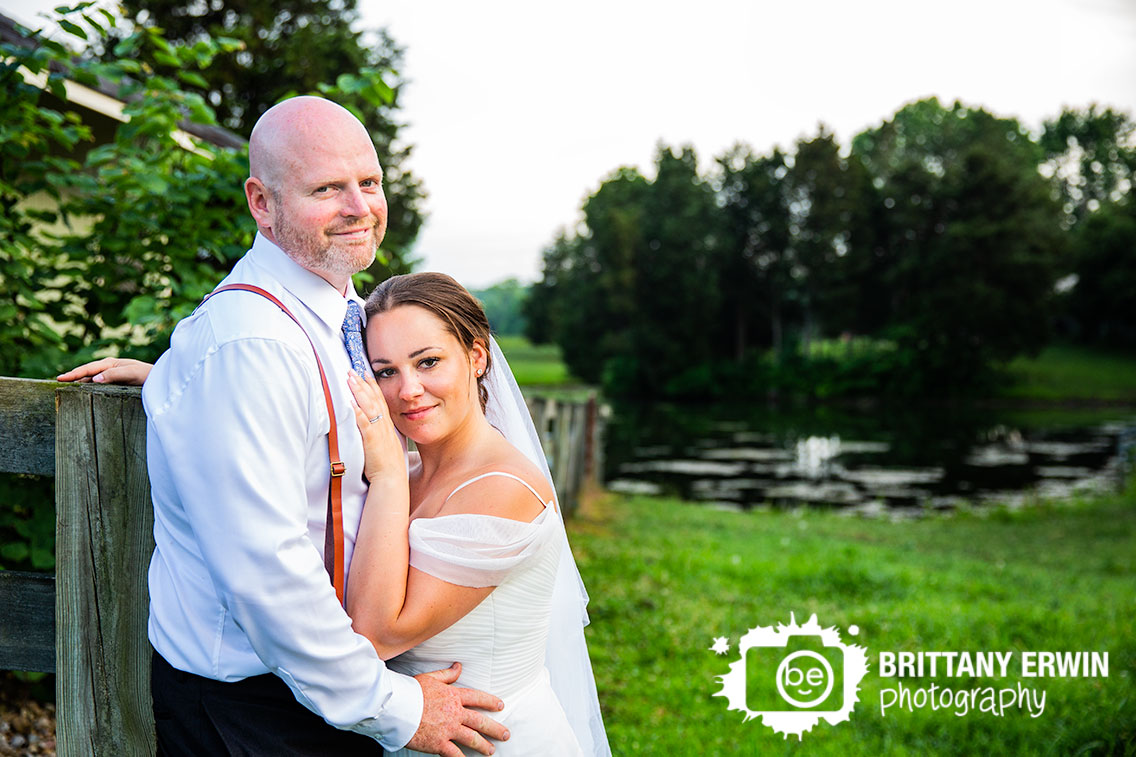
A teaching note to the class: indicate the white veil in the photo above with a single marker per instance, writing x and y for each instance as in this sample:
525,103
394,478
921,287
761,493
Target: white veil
567,654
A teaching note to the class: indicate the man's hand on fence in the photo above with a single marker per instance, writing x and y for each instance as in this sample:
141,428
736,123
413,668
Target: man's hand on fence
109,370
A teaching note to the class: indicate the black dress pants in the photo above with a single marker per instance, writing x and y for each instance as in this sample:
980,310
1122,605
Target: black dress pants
200,717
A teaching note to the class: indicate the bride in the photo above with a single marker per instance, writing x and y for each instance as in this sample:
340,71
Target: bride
461,553
460,561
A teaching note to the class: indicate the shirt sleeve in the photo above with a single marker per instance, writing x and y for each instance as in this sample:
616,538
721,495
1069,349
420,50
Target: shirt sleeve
474,550
238,440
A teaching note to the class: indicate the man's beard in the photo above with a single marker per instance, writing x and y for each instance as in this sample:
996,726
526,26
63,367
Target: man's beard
314,251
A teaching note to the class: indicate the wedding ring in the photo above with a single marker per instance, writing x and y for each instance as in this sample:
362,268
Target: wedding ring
376,419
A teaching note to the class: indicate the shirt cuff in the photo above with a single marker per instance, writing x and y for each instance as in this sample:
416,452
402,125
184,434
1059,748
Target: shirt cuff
400,719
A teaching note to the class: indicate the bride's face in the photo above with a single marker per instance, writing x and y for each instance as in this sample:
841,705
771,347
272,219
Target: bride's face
427,376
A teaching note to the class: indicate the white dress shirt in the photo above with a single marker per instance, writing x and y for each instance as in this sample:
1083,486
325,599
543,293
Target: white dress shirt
237,454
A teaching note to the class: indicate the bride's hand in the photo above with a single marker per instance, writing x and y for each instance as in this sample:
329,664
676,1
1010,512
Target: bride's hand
384,454
109,370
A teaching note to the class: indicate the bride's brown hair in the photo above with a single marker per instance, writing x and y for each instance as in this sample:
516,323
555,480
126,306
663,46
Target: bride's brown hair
448,300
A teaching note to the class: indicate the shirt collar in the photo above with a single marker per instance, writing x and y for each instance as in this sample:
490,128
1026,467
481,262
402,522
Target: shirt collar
309,288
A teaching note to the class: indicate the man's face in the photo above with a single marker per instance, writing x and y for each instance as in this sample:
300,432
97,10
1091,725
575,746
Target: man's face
329,212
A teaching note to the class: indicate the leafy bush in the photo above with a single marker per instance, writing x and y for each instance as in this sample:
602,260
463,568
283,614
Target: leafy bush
104,247
142,226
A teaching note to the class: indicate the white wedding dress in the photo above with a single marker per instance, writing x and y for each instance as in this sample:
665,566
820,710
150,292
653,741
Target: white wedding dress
501,643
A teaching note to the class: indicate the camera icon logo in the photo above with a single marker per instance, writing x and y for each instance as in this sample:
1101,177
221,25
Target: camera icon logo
794,676
794,671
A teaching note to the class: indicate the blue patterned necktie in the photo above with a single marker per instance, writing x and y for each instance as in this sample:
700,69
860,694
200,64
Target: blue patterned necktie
353,337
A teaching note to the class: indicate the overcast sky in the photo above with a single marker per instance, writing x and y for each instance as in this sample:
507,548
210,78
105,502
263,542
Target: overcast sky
518,109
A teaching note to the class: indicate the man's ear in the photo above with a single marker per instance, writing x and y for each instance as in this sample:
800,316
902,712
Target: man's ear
260,202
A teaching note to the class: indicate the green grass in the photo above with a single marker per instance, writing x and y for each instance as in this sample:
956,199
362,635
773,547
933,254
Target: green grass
1065,373
667,577
535,364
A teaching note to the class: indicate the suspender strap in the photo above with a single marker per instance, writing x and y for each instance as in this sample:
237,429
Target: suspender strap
333,540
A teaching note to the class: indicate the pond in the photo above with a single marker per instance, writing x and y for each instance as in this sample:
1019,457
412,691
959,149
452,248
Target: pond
871,459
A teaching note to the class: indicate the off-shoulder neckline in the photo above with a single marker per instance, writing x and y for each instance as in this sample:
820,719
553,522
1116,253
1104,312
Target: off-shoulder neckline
539,515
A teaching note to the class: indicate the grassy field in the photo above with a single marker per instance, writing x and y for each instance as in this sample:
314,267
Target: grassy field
535,364
667,577
1063,373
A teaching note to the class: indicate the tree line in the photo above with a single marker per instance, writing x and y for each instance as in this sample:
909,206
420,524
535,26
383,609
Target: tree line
934,248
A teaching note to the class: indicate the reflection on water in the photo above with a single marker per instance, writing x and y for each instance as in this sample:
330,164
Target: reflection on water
872,461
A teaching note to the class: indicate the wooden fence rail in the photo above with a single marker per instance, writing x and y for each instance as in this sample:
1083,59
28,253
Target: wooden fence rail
87,623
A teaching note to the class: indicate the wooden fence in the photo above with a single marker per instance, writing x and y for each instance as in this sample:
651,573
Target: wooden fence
87,623
570,433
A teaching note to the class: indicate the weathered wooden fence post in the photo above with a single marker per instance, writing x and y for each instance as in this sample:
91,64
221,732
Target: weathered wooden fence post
104,539
570,432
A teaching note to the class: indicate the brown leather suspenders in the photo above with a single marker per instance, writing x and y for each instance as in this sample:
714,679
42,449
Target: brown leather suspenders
333,540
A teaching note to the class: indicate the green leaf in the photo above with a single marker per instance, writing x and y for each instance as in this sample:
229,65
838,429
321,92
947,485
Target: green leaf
54,46
39,56
42,559
201,113
51,116
228,44
378,94
166,59
14,551
127,46
95,24
130,89
142,310
57,85
101,154
350,83
195,80
86,78
153,184
73,28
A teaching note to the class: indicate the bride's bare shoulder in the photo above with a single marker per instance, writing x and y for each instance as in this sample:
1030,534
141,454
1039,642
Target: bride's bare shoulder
502,496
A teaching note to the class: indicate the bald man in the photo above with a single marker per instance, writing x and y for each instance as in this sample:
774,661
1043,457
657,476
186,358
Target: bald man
253,652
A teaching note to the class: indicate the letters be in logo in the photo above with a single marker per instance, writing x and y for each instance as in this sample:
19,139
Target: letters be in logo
794,676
